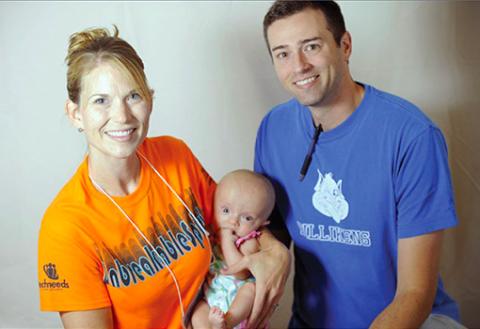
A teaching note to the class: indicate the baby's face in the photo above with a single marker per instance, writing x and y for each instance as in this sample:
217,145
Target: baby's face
240,206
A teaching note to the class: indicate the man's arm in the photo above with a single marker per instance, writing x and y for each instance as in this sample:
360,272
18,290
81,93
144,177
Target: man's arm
96,319
417,279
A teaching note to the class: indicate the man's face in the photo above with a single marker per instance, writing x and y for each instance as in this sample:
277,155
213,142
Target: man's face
308,61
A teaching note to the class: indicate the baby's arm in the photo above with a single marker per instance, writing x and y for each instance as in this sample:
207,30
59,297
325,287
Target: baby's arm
230,252
249,247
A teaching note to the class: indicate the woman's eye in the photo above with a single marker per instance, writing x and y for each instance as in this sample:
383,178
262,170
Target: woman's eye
225,211
100,100
135,96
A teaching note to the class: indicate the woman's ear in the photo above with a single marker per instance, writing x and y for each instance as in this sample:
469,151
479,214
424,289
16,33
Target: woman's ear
72,111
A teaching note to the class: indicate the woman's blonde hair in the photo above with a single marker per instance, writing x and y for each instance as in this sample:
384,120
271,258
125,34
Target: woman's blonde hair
89,48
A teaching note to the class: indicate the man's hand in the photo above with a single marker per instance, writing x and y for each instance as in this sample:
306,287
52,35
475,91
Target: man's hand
270,267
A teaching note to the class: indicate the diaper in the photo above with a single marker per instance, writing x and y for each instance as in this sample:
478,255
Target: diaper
222,289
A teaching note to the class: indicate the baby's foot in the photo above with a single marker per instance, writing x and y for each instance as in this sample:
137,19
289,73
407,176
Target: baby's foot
217,318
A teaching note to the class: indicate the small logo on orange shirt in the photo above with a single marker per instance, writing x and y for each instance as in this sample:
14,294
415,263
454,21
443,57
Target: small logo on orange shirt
50,271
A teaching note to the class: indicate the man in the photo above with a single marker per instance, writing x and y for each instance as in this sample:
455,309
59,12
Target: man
362,181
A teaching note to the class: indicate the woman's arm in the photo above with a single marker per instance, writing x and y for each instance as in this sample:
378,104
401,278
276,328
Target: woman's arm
93,319
270,267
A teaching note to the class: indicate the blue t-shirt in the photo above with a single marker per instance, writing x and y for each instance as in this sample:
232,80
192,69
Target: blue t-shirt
379,176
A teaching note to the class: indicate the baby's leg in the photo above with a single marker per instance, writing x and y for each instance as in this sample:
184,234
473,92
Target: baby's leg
200,315
206,317
217,318
241,306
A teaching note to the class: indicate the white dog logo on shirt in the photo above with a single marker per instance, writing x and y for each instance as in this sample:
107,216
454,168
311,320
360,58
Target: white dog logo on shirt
328,198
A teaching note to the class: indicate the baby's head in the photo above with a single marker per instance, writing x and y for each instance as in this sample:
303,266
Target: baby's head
244,199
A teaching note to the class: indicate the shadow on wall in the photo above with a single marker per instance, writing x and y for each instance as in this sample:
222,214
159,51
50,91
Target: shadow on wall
461,260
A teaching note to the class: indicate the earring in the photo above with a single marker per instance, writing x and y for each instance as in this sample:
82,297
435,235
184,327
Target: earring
80,130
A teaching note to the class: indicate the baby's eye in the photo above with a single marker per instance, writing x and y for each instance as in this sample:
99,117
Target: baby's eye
247,218
225,211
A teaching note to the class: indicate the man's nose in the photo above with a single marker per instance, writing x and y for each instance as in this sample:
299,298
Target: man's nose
301,63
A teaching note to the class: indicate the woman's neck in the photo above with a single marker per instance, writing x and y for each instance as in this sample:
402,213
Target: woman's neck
118,177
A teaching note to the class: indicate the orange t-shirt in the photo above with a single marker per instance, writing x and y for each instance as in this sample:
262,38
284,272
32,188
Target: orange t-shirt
90,256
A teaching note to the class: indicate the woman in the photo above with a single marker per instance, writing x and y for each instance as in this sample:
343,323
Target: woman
124,242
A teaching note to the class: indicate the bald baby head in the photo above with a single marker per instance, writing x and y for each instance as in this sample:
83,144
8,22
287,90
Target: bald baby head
244,196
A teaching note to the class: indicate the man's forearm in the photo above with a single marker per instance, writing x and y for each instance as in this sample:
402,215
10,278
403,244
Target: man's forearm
408,310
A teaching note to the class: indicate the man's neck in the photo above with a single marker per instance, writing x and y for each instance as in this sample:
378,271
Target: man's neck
340,107
118,177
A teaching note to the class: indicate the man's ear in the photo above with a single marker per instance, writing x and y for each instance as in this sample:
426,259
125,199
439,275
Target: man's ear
72,110
266,223
346,45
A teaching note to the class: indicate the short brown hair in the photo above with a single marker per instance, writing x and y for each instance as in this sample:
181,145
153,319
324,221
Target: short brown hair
89,48
285,8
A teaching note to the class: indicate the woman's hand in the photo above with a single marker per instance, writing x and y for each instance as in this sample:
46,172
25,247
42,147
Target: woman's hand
270,267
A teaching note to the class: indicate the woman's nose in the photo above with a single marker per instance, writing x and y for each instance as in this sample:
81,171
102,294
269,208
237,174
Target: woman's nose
121,112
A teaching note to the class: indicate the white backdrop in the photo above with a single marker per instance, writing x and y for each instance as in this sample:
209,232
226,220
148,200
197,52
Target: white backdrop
214,82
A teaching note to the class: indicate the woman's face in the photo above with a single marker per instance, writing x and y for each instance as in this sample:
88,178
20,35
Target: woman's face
112,113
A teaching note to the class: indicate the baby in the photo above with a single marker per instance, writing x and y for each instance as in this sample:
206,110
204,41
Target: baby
243,202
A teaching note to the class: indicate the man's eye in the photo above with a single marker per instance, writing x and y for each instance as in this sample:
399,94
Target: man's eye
312,46
225,211
100,100
281,55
